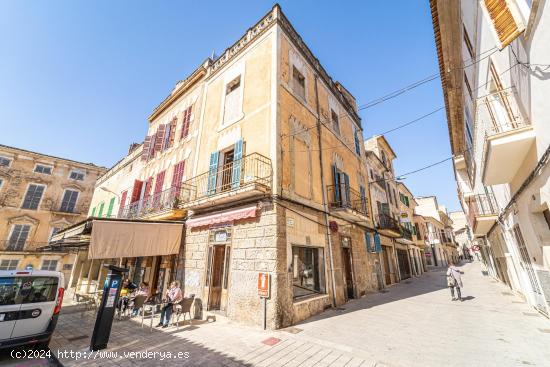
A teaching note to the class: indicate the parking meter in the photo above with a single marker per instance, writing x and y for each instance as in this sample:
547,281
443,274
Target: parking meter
106,311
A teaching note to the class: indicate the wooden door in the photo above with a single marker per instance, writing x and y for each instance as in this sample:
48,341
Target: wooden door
216,277
348,272
386,266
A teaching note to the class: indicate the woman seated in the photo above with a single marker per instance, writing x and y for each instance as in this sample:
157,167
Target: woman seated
143,290
127,288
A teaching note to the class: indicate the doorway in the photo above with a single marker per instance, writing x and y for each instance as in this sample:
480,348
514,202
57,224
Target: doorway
217,275
347,267
227,169
404,266
386,260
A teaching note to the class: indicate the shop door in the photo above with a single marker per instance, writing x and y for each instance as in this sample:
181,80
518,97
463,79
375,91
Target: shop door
348,272
217,282
386,260
404,266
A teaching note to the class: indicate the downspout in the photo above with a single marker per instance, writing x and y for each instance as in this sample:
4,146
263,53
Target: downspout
323,189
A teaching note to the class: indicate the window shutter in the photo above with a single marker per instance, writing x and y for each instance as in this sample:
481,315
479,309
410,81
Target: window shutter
357,144
159,182
159,138
69,201
122,203
367,242
177,176
377,243
336,181
152,145
505,17
346,197
148,185
110,208
237,164
363,194
172,135
93,212
186,121
166,138
146,148
213,172
136,191
101,206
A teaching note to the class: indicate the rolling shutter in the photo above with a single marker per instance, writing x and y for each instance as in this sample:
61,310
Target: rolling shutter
506,20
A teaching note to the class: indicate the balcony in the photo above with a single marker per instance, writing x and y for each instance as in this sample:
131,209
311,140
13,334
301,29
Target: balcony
347,204
508,138
483,213
21,246
388,226
162,205
406,233
242,179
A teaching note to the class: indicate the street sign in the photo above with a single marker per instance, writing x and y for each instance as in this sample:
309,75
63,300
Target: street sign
264,285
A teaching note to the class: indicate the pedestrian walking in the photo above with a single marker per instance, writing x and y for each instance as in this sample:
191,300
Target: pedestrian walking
454,281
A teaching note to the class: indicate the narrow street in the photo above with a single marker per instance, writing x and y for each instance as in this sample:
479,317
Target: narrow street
412,324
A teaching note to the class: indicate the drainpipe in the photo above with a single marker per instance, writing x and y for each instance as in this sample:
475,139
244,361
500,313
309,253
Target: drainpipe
323,189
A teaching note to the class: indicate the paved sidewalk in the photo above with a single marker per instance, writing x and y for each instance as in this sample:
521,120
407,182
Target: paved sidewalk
413,324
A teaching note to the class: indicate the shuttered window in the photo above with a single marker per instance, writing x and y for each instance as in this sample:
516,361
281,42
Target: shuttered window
18,237
185,122
123,198
159,138
233,100
136,191
101,206
146,148
33,197
110,207
93,211
159,182
166,139
69,201
505,18
148,185
177,176
172,135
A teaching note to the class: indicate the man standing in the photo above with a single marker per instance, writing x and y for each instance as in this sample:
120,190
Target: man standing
454,280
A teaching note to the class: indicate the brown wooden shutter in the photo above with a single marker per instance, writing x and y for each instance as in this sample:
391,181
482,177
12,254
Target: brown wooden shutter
159,138
136,191
506,20
173,125
146,148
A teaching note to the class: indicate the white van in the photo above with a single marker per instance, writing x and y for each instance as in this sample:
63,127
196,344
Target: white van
30,301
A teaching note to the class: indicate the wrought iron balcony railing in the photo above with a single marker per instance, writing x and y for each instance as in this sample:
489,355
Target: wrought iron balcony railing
384,221
501,112
406,233
253,169
481,205
247,171
342,198
18,246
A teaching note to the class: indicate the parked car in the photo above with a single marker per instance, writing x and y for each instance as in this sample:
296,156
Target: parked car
30,301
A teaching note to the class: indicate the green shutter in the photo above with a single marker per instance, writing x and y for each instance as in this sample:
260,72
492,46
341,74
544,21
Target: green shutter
93,211
110,209
237,164
100,214
367,242
213,173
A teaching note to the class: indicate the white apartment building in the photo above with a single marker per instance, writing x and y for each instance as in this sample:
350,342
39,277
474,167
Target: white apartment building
494,57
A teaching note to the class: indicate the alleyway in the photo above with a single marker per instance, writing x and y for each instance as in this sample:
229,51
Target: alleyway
413,324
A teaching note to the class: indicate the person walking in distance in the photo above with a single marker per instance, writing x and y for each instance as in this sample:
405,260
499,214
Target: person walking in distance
454,281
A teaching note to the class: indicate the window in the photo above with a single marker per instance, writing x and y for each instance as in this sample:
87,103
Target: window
177,175
501,14
33,197
185,122
77,175
298,83
356,140
69,201
546,214
54,231
40,168
308,275
233,100
468,43
468,87
18,237
9,264
5,162
1,182
110,207
335,121
384,159
49,265
22,290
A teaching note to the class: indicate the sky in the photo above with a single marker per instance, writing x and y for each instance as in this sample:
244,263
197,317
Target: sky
78,79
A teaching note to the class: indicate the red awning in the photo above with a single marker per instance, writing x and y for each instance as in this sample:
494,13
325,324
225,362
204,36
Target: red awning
223,217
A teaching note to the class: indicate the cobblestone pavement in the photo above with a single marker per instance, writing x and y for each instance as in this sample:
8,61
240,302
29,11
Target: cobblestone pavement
413,324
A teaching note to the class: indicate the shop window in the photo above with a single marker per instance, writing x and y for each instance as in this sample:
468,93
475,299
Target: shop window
307,271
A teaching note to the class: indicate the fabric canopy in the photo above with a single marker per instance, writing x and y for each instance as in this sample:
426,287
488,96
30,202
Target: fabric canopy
133,239
224,217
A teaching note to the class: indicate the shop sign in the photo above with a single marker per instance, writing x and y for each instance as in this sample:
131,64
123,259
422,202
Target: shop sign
264,285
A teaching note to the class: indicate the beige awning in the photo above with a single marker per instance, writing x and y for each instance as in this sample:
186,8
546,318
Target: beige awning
115,239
